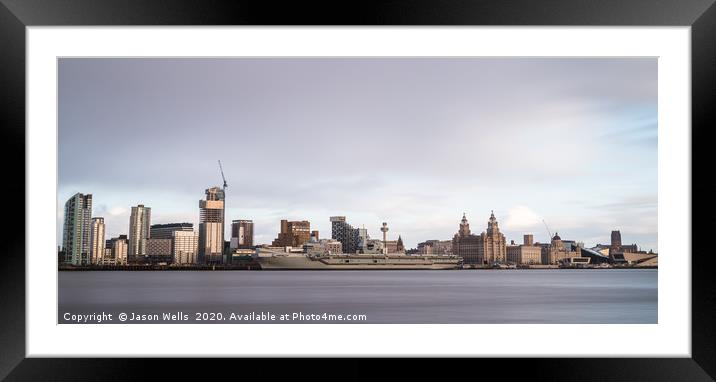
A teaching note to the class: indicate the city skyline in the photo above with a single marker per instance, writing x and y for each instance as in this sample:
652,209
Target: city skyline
414,141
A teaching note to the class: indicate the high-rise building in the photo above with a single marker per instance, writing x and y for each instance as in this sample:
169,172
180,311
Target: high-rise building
242,234
97,240
211,227
293,234
466,245
76,232
349,237
493,245
139,222
165,231
185,245
119,249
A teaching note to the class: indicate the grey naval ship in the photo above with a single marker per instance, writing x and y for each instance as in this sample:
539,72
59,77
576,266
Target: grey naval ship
372,255
286,260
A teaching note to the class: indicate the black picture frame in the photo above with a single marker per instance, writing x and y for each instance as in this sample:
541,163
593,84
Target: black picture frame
15,15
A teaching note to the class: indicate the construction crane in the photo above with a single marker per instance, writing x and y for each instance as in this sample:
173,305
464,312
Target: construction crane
222,175
548,232
223,213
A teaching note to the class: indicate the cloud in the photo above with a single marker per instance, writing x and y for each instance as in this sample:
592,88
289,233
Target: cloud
521,217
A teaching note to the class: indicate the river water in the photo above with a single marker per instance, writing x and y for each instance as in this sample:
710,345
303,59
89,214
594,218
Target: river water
557,296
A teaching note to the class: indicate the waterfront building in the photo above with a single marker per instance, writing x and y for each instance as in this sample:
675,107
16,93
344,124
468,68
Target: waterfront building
487,248
527,253
349,237
435,247
107,259
493,245
97,240
139,222
76,231
185,246
120,248
466,245
395,246
211,227
242,234
166,231
528,239
293,234
557,251
159,251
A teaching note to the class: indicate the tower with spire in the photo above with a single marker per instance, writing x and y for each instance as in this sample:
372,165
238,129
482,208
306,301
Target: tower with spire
464,229
493,245
465,244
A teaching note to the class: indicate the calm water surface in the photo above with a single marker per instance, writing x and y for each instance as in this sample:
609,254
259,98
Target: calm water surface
440,297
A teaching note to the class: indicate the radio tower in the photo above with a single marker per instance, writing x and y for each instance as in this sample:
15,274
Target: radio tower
384,229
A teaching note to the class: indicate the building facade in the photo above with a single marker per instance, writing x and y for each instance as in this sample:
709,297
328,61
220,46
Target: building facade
435,247
349,237
493,245
242,234
166,231
323,247
185,247
76,231
159,251
139,222
395,246
526,254
466,245
487,248
557,252
293,234
97,240
120,249
211,227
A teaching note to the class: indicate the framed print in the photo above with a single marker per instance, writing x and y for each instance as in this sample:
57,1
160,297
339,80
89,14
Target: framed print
466,180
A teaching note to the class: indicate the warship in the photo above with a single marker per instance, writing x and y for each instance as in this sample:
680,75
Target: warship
269,259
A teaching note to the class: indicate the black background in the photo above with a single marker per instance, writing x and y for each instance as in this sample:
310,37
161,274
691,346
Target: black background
16,14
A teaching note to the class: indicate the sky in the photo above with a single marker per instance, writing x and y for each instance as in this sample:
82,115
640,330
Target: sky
415,142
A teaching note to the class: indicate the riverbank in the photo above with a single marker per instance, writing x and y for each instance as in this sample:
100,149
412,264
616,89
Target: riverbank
253,266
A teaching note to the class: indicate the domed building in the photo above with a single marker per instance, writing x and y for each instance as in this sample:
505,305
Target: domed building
557,251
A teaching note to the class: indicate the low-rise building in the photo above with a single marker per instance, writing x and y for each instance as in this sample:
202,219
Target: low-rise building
120,248
159,251
526,253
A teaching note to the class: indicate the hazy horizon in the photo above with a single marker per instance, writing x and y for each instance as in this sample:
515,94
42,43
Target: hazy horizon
414,142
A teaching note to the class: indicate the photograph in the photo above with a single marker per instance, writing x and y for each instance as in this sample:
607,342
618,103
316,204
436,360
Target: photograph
357,190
